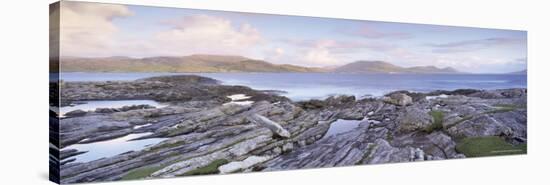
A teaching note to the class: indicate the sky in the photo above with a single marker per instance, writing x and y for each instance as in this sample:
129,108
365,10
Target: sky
105,30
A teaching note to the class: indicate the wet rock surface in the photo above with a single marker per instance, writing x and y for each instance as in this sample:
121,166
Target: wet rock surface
205,135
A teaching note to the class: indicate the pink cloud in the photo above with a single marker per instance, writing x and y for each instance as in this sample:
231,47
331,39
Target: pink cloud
342,46
370,32
206,34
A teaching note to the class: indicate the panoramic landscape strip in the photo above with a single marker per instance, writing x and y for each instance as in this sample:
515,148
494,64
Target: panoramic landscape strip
140,92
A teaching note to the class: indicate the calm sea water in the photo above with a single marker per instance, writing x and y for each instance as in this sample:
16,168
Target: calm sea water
300,86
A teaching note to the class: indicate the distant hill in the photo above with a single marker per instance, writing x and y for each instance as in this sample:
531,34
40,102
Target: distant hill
226,63
192,63
385,67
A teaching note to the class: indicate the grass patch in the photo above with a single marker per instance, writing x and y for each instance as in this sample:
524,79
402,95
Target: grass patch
510,106
141,173
211,168
500,108
488,146
438,121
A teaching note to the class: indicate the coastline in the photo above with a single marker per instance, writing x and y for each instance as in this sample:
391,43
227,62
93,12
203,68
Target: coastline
202,128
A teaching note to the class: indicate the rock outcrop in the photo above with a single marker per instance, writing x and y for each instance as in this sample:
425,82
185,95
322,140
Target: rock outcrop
204,135
414,119
265,122
243,165
399,99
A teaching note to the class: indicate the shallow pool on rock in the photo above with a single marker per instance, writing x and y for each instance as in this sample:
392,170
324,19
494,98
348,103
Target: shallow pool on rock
92,105
109,148
341,126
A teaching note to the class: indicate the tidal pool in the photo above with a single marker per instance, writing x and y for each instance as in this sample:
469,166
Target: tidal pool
109,148
341,126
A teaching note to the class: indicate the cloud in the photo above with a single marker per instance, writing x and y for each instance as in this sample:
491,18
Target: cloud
330,52
276,55
368,31
279,51
341,46
474,45
206,34
87,28
318,53
319,56
303,52
476,63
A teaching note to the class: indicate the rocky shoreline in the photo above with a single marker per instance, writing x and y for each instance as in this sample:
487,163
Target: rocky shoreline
209,133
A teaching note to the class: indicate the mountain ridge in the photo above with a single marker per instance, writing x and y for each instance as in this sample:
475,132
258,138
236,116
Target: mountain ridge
227,63
382,67
191,63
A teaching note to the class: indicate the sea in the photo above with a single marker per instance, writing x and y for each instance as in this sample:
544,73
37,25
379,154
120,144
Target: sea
304,86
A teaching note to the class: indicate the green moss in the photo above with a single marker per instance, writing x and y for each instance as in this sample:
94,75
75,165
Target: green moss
500,108
438,121
211,168
488,146
141,173
510,106
389,137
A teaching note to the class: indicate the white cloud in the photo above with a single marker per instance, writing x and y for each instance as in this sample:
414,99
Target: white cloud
467,63
370,31
320,55
275,55
279,51
87,29
206,34
317,53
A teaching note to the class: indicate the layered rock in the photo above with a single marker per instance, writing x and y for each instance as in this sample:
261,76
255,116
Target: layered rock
414,119
205,135
398,99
